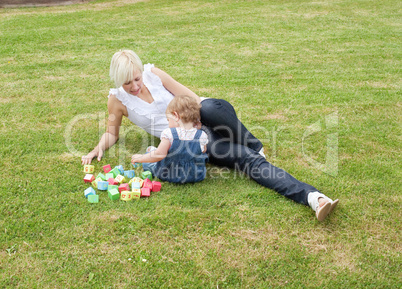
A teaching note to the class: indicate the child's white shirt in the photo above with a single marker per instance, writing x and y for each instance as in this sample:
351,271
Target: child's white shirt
185,134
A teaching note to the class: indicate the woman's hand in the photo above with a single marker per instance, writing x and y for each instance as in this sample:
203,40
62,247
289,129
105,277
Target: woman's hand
86,160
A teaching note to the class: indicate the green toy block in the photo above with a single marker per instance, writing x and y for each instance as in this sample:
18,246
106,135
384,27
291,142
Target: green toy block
114,194
115,172
111,187
101,176
120,168
108,176
93,198
147,175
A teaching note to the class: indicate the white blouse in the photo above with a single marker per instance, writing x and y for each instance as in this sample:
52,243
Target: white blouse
149,116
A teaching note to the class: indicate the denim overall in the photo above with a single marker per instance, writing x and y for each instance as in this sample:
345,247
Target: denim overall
184,163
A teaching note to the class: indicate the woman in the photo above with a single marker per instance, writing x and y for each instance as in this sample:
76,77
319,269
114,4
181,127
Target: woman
142,95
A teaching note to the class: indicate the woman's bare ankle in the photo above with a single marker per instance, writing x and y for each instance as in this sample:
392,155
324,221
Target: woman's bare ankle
322,202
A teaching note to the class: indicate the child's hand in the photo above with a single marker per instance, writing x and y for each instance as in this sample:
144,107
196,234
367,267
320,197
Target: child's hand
135,158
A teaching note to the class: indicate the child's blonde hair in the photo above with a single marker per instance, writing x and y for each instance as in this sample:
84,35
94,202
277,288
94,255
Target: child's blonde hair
186,107
123,65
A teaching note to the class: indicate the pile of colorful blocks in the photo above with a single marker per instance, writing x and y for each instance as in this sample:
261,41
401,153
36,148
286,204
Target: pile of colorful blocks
119,184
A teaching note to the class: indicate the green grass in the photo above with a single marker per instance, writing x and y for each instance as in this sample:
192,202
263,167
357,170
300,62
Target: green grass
298,73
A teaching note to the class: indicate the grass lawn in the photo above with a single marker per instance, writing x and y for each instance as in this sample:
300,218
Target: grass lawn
318,82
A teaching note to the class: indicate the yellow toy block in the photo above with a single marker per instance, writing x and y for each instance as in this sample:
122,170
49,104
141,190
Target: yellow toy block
126,196
95,182
120,179
138,180
136,193
89,169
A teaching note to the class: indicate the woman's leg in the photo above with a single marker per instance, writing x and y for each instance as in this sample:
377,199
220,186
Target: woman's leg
223,152
220,115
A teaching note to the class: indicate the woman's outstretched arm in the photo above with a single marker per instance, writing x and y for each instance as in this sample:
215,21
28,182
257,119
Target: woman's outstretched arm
109,138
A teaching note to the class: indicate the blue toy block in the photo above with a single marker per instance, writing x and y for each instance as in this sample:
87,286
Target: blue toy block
129,174
89,191
102,185
135,185
121,169
137,165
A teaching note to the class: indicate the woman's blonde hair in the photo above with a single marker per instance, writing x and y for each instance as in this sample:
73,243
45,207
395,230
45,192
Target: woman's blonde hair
123,65
186,107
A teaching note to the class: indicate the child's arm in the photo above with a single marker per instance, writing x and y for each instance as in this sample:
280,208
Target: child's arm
154,156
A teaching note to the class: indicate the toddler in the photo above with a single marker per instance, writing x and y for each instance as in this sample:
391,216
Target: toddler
180,156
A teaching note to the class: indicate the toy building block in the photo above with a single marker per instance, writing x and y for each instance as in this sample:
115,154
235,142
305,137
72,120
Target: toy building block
120,168
112,181
126,196
124,187
111,187
136,193
102,185
137,165
135,185
95,182
146,175
89,191
120,179
114,194
136,180
107,168
93,198
101,176
129,174
89,178
115,172
108,176
156,186
147,184
89,169
145,192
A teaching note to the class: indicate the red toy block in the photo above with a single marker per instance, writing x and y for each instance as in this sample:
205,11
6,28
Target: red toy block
147,184
156,186
89,178
112,181
124,187
145,192
107,168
